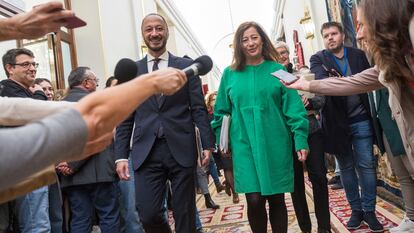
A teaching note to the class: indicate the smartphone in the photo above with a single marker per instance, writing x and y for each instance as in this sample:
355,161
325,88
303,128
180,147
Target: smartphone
286,77
74,22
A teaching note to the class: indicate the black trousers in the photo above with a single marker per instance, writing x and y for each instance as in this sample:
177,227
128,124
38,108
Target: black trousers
150,180
315,164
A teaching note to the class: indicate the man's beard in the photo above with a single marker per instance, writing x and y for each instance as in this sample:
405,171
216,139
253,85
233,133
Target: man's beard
156,49
337,49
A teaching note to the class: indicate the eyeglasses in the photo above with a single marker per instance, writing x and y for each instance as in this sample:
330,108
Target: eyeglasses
26,65
284,52
96,79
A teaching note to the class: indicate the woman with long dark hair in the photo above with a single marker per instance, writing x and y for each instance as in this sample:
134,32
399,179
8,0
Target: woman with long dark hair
264,117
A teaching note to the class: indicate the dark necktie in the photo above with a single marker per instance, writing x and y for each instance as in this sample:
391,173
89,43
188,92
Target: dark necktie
154,68
155,65
160,131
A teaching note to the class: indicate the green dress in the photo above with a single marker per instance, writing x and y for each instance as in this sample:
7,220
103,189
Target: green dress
264,116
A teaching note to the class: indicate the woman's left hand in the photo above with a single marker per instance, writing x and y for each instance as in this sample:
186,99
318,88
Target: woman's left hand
302,155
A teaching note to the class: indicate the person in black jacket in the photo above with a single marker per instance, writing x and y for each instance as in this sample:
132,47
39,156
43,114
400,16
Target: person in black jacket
315,162
90,183
20,69
347,126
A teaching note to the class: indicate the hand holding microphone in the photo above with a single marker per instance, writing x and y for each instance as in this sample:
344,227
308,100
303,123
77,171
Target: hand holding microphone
166,81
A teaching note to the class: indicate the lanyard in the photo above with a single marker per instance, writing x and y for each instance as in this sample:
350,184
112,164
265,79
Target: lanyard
345,61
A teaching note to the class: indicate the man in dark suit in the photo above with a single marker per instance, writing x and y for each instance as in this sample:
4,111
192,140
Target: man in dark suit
347,126
89,183
163,143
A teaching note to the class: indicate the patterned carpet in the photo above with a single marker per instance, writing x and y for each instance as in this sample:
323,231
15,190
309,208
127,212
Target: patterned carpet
232,218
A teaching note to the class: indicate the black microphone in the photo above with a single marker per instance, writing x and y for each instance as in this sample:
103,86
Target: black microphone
125,70
200,66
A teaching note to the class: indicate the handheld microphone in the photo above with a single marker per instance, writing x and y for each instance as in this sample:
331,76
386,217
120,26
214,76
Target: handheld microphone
125,70
200,66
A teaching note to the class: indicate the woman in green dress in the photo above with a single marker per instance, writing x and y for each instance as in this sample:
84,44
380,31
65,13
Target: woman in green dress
265,116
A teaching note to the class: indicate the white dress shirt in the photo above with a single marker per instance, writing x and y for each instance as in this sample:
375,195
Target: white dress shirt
162,64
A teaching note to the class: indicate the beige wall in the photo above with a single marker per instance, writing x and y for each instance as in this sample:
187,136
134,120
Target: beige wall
111,34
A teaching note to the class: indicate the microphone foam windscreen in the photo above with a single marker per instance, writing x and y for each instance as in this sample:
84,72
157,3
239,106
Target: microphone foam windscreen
205,64
125,70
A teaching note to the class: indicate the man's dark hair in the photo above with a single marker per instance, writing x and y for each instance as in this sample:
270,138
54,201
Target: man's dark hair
109,81
77,76
10,57
332,24
40,80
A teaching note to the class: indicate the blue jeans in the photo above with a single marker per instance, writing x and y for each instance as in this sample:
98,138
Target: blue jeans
359,159
129,213
101,196
33,211
55,209
213,171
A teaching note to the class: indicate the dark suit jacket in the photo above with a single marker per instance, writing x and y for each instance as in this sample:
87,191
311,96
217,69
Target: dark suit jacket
178,114
335,124
94,169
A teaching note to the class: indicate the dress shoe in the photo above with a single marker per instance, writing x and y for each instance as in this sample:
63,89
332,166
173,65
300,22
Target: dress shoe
210,203
236,198
337,186
334,180
220,187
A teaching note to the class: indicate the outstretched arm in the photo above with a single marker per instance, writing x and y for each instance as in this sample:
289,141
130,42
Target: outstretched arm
44,18
103,110
76,133
363,82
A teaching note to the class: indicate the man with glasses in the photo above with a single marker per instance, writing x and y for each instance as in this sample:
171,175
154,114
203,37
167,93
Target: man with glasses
90,183
20,68
283,50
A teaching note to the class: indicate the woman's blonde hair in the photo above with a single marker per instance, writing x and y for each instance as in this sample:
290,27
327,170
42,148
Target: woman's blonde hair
209,99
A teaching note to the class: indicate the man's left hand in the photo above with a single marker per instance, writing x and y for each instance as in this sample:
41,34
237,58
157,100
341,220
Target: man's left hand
207,156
